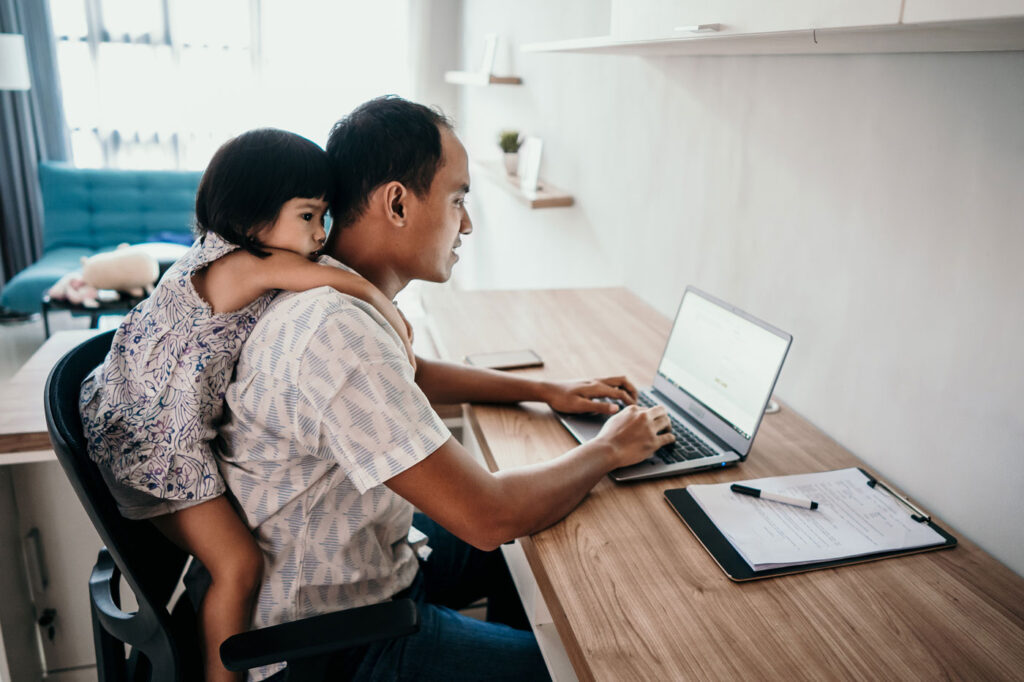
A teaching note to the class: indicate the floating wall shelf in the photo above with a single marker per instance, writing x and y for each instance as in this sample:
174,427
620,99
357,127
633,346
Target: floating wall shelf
548,196
478,78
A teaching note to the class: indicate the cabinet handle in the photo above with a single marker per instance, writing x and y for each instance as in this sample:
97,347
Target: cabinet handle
699,28
39,577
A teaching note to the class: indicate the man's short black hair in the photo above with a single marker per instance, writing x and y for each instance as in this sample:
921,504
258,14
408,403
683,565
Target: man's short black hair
251,177
383,140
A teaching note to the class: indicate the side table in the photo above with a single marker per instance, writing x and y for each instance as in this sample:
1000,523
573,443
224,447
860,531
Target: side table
121,305
166,254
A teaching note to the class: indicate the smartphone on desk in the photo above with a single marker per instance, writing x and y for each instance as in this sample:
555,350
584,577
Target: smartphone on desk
512,359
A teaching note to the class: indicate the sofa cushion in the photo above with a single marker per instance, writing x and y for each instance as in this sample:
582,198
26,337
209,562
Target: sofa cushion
95,208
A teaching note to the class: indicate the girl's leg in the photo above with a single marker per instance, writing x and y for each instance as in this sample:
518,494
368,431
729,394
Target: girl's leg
214,533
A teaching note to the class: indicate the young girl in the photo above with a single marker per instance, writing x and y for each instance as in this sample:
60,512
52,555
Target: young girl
151,409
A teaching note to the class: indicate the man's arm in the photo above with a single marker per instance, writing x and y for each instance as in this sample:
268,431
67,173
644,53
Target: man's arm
486,509
366,410
446,383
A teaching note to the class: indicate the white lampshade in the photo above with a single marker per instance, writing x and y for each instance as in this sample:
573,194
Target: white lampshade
13,63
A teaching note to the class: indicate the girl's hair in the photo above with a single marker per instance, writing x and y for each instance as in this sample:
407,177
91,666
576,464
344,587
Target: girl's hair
251,177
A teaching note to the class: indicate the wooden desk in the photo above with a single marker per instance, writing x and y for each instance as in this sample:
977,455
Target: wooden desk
23,434
633,594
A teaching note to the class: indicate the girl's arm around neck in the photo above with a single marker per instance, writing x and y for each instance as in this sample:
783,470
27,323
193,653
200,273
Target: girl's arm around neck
234,281
239,278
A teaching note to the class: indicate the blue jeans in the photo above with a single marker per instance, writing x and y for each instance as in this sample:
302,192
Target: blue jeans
450,646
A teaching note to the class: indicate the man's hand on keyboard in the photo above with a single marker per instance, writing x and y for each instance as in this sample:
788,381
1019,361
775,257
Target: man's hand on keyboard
636,432
601,396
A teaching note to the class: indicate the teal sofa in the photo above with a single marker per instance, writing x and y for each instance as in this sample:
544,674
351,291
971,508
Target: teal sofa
87,210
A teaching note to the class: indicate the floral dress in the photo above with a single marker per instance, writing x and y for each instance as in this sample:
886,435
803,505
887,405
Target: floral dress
152,408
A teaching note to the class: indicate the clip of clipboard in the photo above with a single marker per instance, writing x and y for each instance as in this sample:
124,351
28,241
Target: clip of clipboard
738,570
915,512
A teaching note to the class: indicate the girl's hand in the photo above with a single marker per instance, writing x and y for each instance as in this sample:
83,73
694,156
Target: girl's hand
583,396
397,320
635,433
408,330
407,338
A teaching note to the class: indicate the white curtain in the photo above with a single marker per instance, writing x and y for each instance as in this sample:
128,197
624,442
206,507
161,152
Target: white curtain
162,83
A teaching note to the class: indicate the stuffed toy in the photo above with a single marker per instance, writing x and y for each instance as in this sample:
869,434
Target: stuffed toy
131,269
73,289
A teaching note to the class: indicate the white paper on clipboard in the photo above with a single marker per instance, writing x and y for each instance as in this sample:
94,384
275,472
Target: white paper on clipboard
853,519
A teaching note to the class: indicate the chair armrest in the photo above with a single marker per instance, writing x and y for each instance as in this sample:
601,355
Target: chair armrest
320,635
103,581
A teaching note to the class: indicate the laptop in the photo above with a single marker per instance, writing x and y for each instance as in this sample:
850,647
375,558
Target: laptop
715,377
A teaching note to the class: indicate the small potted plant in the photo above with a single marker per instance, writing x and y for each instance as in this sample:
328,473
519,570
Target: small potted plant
509,142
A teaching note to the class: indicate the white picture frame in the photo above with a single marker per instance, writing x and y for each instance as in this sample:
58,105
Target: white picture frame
529,165
490,52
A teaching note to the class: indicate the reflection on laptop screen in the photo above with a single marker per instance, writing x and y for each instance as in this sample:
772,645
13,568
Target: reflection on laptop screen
722,360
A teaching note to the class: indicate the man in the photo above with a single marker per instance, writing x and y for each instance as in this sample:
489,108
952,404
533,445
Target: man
330,437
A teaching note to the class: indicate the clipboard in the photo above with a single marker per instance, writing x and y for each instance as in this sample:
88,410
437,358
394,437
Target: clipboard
738,570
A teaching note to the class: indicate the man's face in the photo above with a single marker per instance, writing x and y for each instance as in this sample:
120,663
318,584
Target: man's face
438,220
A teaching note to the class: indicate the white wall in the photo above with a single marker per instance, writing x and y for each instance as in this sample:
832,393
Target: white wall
871,205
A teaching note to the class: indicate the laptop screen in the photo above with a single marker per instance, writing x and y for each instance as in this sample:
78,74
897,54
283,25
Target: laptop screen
725,361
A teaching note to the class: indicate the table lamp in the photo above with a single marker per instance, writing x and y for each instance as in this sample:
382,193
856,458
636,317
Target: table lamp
13,63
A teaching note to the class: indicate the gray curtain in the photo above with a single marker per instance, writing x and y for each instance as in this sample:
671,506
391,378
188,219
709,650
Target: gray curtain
32,129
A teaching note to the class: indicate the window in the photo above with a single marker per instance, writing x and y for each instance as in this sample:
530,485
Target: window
162,83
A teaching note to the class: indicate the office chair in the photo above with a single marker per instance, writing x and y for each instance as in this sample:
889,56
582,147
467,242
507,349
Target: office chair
164,643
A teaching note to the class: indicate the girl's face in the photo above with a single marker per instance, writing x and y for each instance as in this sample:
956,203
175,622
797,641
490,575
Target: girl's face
299,227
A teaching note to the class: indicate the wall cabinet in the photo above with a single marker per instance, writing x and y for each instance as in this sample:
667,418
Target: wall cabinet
652,19
924,11
748,27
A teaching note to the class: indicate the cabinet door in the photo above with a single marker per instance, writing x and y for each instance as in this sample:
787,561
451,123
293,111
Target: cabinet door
643,19
923,11
19,652
60,548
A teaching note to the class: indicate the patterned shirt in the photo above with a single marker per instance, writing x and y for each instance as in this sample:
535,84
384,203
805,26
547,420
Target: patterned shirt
150,410
323,410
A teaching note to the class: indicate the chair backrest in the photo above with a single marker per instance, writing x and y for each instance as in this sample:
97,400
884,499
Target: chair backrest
150,564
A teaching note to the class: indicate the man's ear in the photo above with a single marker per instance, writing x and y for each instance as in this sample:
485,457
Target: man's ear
396,198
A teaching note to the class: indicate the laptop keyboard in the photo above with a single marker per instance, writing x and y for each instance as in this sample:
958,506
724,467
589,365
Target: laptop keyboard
687,445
